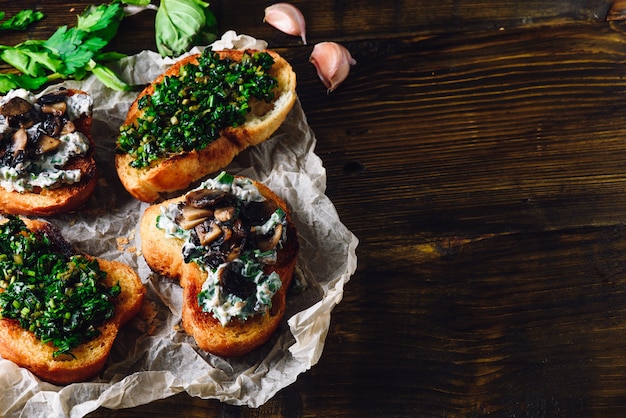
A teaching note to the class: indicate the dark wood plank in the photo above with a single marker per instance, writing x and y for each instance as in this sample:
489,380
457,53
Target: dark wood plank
501,131
344,21
337,20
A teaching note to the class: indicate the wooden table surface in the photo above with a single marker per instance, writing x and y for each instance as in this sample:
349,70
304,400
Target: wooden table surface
478,152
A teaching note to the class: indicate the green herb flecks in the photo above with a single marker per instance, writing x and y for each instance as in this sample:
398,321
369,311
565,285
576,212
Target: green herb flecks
188,111
58,297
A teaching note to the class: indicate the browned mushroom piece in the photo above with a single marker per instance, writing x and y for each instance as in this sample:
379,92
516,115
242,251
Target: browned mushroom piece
68,128
46,143
208,232
188,224
20,139
15,106
58,108
192,213
53,97
206,198
258,212
236,284
224,214
266,243
191,216
52,125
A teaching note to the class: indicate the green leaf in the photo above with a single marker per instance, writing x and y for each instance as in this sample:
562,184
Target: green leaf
73,47
21,20
101,21
45,59
109,78
109,56
13,81
177,23
135,2
21,60
208,33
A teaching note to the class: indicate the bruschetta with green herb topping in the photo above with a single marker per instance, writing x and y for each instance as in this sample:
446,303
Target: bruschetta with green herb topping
60,311
197,116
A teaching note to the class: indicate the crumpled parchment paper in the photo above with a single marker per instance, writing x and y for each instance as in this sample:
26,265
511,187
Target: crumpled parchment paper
153,358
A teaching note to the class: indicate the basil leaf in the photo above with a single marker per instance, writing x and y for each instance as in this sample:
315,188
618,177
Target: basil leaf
177,23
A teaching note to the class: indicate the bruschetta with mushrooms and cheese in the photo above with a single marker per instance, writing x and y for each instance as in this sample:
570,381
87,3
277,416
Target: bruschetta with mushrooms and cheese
47,163
233,247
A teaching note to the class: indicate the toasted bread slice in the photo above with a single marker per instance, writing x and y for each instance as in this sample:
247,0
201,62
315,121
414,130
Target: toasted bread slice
178,171
237,337
65,198
25,349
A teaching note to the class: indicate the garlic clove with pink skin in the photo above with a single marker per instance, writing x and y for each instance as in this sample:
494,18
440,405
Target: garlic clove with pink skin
286,18
332,62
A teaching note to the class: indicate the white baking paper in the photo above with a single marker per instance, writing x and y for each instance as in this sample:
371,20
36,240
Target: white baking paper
153,358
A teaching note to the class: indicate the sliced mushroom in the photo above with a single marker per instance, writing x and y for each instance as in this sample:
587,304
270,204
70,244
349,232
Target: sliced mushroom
15,106
68,128
190,216
46,143
224,214
57,108
20,139
228,233
205,198
208,233
52,125
236,284
191,213
53,97
265,243
258,212
234,254
189,224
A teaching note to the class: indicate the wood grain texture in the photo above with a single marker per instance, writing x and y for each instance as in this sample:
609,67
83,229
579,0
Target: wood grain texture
478,151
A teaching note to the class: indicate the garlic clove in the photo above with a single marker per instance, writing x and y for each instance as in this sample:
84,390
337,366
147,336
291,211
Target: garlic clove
332,62
286,18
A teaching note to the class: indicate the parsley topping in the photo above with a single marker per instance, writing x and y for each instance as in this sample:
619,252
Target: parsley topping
58,297
188,111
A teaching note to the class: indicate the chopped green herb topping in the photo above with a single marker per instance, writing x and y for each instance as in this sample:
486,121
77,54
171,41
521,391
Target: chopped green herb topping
188,111
58,297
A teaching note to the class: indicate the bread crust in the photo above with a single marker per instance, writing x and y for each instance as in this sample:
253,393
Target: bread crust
66,198
237,338
177,172
24,349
